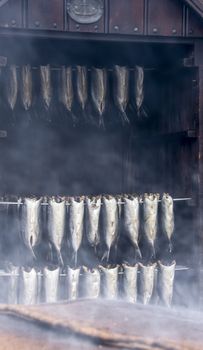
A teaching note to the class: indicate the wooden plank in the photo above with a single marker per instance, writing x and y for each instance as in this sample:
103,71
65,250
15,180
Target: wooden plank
127,18
165,18
194,25
11,14
45,14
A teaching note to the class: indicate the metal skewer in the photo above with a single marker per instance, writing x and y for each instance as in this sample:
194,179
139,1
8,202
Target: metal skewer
119,202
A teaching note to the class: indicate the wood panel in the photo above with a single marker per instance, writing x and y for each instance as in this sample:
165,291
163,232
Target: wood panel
127,18
46,14
165,17
11,14
194,25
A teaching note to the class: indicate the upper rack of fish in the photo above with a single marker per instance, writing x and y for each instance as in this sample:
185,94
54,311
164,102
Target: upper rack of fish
84,95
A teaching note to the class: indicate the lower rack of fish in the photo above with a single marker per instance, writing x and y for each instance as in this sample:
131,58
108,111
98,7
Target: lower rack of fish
152,283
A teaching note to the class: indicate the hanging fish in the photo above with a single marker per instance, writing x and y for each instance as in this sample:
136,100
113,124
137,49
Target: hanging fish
91,283
76,224
66,95
109,282
150,209
28,287
132,221
93,207
82,86
46,88
12,86
51,284
130,283
166,274
110,223
139,88
12,284
121,90
26,87
147,278
167,217
72,280
56,225
99,92
30,223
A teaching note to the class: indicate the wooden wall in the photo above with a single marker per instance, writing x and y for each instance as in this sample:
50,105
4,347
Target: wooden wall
131,17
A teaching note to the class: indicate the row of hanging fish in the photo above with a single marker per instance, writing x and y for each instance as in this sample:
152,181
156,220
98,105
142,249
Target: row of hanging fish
98,219
94,85
139,283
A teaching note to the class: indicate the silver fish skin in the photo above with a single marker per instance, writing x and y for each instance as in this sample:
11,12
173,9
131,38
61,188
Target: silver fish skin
72,283
30,223
91,283
167,217
147,278
28,288
51,284
166,275
46,88
26,88
110,222
99,91
12,86
93,208
121,90
109,282
139,87
76,224
130,283
56,225
132,220
12,287
150,210
82,86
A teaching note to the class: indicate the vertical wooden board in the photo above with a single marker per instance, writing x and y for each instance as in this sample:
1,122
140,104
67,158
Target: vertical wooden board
11,14
97,27
165,17
126,16
45,14
194,25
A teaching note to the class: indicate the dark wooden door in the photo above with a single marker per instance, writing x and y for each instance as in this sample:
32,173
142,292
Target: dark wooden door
165,17
46,14
127,17
11,14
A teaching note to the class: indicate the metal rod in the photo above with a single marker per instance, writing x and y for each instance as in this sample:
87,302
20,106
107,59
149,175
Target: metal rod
7,274
120,203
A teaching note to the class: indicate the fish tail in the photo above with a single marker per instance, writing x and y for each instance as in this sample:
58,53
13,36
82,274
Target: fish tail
170,247
59,257
106,255
138,252
75,259
124,117
153,251
32,252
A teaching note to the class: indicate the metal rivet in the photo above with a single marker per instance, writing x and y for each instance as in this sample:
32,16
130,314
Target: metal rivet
174,31
96,27
77,26
135,29
116,27
155,30
55,25
37,23
13,22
